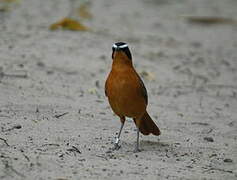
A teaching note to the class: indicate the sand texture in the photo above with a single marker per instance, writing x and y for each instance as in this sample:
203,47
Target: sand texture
55,121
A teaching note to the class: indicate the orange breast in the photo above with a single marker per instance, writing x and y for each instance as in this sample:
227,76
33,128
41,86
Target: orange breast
124,93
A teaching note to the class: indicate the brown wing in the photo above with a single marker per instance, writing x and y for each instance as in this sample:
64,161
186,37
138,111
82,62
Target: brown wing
106,87
143,90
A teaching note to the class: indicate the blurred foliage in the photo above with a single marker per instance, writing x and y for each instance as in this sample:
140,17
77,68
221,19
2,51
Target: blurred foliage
69,24
5,5
8,1
209,20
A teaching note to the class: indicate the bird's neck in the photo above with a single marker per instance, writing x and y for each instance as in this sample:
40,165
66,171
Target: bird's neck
121,62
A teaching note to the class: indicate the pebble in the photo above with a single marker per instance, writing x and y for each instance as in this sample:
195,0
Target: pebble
227,160
209,139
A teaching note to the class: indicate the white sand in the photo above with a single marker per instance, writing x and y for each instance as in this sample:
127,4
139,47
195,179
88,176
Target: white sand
192,89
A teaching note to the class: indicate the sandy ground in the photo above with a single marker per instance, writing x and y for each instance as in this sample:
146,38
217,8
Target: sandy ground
56,123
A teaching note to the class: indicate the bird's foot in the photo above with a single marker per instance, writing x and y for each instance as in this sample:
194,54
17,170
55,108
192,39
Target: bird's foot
116,146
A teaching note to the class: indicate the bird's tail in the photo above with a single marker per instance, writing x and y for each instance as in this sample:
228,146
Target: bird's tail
147,125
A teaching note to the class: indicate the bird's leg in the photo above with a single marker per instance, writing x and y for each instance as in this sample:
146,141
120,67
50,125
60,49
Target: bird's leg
137,143
116,144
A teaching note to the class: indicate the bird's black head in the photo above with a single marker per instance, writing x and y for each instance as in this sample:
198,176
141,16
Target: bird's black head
121,46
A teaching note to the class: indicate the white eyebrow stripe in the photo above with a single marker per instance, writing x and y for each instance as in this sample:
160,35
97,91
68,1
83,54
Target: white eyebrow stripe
121,47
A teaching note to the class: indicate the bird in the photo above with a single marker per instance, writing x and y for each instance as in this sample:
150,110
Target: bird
127,94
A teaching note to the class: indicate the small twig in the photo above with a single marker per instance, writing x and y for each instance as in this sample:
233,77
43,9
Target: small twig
5,141
100,156
200,123
15,75
209,131
74,149
14,127
217,169
27,158
60,115
50,144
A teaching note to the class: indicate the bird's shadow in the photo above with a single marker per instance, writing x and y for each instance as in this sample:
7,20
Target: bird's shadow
150,146
154,145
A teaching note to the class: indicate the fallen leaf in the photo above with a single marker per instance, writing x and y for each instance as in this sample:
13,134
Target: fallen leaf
209,20
69,24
